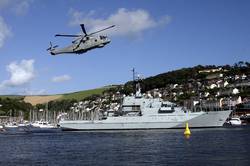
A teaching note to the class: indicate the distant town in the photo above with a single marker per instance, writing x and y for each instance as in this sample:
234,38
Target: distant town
207,87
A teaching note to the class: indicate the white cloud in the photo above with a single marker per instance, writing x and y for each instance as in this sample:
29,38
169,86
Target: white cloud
128,22
20,73
4,31
61,78
22,7
4,3
19,7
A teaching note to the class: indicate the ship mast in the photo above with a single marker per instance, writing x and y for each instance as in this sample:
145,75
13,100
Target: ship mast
136,84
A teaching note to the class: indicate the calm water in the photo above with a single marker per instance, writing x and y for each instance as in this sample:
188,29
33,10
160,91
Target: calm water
223,146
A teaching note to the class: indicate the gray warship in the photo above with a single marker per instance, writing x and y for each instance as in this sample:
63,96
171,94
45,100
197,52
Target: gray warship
141,112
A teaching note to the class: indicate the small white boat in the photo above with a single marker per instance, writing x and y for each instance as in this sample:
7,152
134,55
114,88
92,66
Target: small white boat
23,124
11,125
42,127
43,124
235,121
1,128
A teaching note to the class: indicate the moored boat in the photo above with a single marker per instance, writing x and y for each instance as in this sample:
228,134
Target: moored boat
235,121
42,126
1,128
11,127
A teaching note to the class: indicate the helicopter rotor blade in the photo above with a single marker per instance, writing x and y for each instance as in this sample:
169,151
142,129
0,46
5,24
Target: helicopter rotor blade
81,41
62,35
101,30
74,41
83,29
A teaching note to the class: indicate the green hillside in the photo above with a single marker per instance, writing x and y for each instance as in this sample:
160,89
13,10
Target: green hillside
83,94
11,96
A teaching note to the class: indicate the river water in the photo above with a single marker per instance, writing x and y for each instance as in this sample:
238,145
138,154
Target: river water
219,146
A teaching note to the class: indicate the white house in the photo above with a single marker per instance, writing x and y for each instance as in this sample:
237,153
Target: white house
235,91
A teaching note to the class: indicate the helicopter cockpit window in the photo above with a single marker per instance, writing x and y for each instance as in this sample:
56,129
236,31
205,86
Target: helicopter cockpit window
102,37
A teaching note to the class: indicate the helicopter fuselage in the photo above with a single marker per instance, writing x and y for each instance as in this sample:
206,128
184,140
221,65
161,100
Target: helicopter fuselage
83,46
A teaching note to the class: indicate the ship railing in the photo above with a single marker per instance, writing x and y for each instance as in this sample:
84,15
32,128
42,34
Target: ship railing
209,108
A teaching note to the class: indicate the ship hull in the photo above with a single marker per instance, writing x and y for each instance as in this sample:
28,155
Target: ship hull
208,119
195,120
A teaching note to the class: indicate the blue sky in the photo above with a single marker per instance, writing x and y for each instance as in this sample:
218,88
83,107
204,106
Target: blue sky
152,36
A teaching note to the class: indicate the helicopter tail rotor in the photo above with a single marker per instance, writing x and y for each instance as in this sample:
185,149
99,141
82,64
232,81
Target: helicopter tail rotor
51,47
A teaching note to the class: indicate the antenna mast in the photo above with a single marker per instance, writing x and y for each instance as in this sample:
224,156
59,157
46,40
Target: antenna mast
133,70
134,82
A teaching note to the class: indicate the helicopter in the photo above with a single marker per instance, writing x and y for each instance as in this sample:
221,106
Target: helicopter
82,42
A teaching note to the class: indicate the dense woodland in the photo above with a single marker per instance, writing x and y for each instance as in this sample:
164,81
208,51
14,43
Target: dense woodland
14,106
11,106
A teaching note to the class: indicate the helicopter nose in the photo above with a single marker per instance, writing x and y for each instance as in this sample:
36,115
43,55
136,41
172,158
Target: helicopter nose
108,40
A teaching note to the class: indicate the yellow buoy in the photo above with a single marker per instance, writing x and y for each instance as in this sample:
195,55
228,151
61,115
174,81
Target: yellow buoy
187,131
